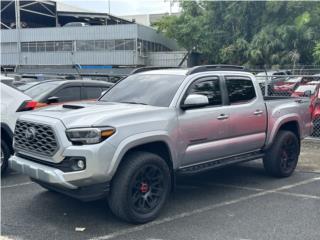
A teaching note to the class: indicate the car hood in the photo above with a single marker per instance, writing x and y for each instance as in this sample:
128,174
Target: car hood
91,114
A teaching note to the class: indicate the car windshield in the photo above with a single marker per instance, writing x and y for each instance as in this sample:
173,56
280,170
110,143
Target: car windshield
304,88
41,88
150,89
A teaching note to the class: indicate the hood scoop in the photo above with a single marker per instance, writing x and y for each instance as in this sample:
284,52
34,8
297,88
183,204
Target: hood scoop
69,106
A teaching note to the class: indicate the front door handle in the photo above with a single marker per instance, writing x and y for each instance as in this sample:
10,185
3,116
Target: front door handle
258,112
223,117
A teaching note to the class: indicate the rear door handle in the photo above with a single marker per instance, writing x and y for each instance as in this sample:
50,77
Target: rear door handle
223,116
258,112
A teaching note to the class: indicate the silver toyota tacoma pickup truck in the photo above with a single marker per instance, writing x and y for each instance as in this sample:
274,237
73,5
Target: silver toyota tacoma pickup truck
130,144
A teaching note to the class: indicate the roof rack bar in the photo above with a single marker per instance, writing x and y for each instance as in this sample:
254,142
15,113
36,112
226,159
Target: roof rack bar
218,67
144,69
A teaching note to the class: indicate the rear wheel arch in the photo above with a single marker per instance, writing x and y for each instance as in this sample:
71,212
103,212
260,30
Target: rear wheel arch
291,126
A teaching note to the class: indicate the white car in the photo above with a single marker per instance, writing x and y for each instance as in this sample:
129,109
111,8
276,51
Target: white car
11,100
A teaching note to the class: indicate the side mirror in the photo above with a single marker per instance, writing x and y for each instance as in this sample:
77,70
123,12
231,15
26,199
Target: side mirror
307,93
195,101
53,99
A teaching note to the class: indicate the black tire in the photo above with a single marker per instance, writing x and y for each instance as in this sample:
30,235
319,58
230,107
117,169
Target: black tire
6,154
140,187
282,158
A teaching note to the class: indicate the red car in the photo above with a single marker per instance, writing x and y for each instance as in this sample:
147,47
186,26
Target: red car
312,90
288,86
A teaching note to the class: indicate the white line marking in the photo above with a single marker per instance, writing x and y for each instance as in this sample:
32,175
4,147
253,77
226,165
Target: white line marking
200,210
16,185
259,190
238,187
299,195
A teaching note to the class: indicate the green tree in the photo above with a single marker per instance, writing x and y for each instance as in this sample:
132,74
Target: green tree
316,53
247,32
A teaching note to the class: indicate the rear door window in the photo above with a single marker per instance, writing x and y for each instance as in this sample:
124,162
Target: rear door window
92,92
240,90
69,94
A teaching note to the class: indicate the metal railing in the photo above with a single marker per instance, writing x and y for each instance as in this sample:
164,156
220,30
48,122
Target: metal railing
297,85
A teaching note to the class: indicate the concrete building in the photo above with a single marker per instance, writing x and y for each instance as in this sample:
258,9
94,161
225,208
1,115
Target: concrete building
147,19
108,42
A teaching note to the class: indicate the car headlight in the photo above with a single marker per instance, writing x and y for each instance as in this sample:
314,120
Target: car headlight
89,135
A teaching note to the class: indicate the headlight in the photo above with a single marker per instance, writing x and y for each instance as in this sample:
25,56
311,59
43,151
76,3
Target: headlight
89,135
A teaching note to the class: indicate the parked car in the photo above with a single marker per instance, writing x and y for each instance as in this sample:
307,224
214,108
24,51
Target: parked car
7,80
151,127
287,87
76,24
11,100
61,91
270,78
311,90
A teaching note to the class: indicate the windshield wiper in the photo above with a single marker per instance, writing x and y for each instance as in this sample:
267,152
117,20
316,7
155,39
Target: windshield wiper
135,103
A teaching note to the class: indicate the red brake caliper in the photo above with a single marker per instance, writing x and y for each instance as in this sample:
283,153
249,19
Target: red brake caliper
144,187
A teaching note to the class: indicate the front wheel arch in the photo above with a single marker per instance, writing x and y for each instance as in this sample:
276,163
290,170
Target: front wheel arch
159,148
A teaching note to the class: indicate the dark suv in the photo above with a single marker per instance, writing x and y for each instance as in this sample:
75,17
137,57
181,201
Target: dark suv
61,91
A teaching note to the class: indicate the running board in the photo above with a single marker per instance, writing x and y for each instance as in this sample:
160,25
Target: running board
197,168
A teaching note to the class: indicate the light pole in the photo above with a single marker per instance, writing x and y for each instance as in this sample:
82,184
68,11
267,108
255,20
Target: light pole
18,27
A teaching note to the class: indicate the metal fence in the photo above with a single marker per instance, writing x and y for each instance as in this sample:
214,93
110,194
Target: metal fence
285,83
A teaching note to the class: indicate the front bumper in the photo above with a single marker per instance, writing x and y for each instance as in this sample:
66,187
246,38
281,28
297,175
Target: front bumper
57,180
41,172
89,193
98,164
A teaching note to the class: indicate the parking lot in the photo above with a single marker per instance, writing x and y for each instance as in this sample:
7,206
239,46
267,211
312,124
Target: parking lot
239,202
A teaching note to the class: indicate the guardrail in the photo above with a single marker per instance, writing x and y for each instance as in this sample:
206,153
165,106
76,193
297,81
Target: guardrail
295,86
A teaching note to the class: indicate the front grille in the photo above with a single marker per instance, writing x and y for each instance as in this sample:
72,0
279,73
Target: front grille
36,138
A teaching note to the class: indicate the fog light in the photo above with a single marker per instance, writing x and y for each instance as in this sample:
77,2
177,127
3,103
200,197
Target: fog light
81,165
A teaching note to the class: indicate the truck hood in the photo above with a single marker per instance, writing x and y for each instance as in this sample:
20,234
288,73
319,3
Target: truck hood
91,114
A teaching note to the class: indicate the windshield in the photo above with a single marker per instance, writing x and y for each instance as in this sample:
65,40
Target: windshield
41,88
150,89
304,88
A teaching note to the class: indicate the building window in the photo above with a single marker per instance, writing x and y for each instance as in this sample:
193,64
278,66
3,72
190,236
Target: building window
41,47
129,44
67,46
86,45
119,45
51,46
33,47
25,47
99,45
58,46
110,45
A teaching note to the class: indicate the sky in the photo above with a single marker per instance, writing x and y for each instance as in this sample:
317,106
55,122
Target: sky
125,7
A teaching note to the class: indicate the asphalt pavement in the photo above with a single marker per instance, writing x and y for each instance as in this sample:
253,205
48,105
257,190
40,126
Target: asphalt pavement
238,203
